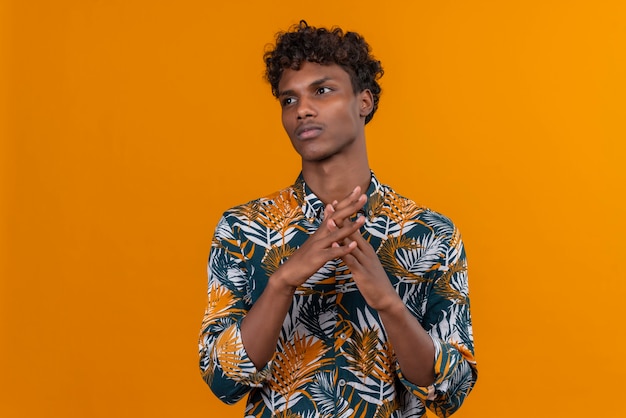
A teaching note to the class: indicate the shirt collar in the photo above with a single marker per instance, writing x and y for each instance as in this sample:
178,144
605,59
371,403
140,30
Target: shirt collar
313,207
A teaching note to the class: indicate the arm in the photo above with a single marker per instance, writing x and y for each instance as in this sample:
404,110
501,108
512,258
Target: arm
448,321
238,340
413,347
436,362
223,362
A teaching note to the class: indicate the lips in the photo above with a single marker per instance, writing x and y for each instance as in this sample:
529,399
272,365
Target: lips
308,131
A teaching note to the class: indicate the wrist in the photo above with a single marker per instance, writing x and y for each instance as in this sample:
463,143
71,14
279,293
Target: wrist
392,308
279,286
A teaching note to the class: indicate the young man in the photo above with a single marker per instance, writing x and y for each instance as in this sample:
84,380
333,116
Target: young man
335,297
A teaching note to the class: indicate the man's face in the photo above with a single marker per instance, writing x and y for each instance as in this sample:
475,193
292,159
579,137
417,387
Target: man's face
320,111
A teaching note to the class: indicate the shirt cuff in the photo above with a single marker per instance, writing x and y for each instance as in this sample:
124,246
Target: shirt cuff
230,357
447,358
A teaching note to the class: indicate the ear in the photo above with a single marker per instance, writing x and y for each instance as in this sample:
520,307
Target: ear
366,103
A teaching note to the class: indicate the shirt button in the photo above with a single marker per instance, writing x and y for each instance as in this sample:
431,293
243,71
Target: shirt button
343,336
342,382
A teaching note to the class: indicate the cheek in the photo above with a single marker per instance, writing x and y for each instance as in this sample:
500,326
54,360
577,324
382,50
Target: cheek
289,126
288,114
349,119
347,111
284,120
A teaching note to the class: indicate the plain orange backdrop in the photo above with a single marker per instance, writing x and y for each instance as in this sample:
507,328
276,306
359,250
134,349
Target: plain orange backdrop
128,127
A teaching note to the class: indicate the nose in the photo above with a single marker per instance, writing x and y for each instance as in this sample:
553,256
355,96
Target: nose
305,109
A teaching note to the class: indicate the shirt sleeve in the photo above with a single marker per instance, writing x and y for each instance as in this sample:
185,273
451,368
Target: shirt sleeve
224,363
447,320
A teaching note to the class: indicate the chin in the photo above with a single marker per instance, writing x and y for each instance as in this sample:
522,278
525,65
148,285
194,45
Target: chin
316,158
313,155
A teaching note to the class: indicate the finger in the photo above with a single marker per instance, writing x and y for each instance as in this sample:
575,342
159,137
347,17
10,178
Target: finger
350,199
332,226
346,209
329,210
357,252
350,261
354,264
330,223
364,251
338,234
340,251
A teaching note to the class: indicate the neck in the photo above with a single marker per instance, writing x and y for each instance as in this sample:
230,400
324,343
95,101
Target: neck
334,180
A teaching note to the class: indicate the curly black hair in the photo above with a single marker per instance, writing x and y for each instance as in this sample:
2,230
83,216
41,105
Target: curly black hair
323,46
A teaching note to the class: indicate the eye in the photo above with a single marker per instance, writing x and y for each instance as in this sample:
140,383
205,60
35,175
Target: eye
287,101
323,90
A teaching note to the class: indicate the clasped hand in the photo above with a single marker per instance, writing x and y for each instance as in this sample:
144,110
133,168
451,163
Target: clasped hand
339,237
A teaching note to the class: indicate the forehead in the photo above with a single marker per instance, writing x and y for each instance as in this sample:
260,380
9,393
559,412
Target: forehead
310,73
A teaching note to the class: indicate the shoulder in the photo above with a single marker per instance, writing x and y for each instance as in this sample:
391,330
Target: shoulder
260,221
410,211
250,210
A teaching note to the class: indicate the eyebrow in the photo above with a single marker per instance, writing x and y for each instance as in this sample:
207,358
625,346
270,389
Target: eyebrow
313,84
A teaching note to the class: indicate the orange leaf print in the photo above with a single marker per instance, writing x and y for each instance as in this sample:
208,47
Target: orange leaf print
220,305
297,364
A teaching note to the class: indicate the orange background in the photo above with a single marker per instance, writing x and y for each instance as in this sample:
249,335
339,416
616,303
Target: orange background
129,126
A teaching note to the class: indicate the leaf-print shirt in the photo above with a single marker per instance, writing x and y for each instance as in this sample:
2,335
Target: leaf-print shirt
333,357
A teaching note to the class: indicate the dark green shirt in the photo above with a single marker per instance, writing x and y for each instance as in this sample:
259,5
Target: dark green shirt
333,358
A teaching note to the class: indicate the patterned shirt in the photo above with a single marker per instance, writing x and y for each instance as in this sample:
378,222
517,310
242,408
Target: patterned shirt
333,357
